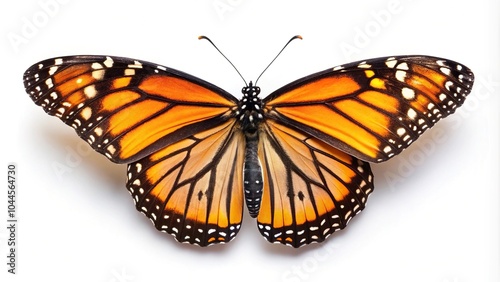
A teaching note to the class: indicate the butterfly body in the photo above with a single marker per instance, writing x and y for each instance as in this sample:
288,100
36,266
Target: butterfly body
299,157
250,117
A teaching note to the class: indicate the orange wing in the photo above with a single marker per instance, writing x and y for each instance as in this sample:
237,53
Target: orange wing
310,188
124,108
373,109
192,189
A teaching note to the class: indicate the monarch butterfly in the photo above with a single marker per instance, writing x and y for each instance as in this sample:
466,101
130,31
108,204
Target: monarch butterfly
299,157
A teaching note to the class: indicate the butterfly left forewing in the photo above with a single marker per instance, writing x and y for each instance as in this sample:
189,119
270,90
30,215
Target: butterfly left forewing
124,108
373,109
192,189
310,188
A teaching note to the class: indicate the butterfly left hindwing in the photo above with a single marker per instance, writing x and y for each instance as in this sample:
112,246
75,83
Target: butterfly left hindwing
192,189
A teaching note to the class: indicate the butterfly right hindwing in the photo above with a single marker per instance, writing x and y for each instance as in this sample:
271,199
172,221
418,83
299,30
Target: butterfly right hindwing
310,188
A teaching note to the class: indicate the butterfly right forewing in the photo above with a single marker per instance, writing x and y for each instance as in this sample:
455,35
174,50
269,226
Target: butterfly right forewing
376,108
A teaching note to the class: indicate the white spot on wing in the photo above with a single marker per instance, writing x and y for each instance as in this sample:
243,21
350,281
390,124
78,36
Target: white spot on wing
448,84
401,131
96,66
53,70
403,66
98,131
129,72
86,113
112,150
445,71
98,74
412,114
364,65
90,91
401,75
136,65
408,93
390,63
108,62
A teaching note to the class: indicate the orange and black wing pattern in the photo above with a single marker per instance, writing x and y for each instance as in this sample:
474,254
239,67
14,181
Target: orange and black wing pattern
310,188
126,109
193,189
307,145
372,109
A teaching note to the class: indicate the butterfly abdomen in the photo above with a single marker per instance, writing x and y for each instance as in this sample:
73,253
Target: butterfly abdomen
252,176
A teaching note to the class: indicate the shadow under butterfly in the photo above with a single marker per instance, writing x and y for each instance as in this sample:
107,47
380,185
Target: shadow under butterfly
299,157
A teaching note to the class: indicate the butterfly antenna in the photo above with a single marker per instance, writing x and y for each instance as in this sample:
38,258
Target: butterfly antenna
291,39
208,39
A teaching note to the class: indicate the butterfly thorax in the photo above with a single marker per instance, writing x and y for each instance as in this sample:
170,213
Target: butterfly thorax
249,110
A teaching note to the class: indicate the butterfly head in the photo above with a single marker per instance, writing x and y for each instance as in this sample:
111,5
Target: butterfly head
250,90
250,109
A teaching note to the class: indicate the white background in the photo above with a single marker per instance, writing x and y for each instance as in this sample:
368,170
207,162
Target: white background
434,215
